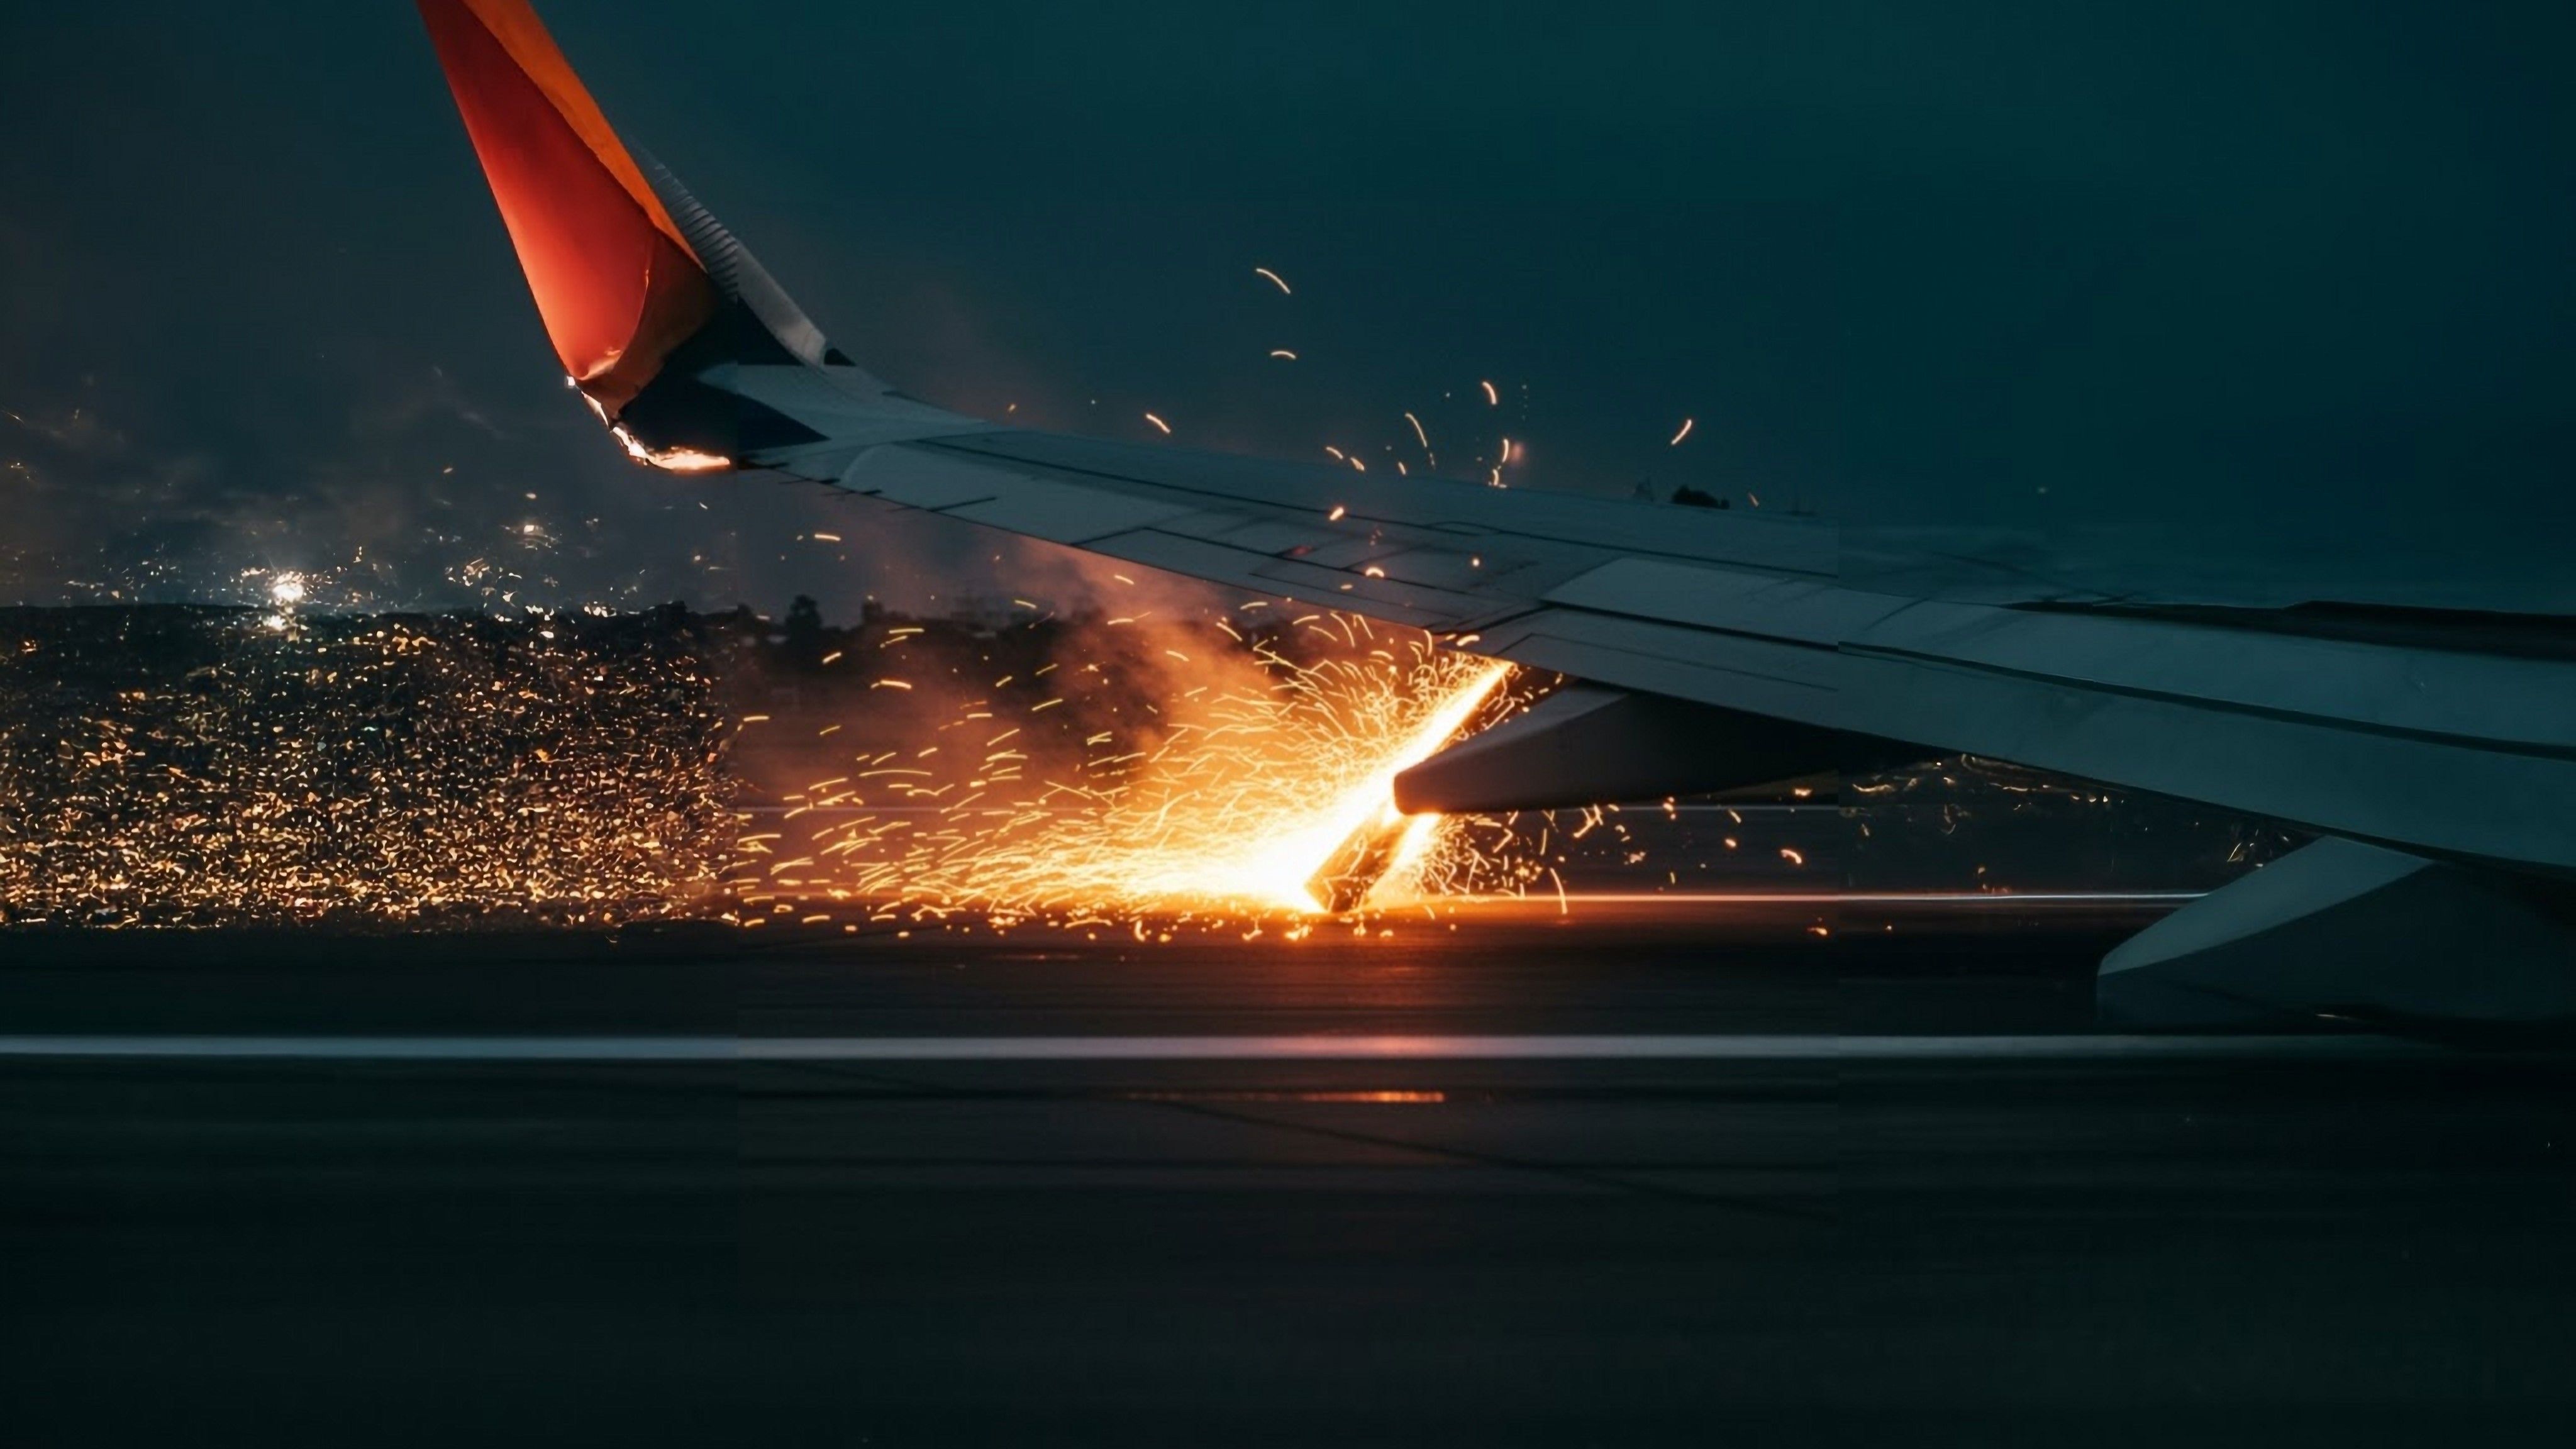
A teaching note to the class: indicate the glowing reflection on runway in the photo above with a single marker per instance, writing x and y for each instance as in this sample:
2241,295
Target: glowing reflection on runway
721,1049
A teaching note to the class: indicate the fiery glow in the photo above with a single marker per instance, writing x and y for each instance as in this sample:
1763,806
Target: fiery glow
670,460
1264,792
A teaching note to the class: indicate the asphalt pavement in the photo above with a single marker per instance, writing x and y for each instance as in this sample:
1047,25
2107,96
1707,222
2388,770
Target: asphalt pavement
1641,1176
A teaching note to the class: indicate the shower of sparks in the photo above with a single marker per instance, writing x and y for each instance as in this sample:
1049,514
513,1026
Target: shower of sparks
289,763
1260,795
201,766
183,766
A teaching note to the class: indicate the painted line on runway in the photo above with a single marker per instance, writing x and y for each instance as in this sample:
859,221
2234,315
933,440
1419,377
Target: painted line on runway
1836,898
675,1050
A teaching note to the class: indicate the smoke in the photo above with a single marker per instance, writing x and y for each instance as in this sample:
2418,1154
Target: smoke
1159,764
389,480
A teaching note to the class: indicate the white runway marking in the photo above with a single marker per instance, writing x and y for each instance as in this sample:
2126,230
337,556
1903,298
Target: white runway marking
646,1050
1837,898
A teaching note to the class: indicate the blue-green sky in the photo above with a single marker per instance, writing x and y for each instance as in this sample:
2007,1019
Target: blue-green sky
2259,277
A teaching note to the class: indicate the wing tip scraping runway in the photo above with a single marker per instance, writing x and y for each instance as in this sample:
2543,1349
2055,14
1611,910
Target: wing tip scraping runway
2432,751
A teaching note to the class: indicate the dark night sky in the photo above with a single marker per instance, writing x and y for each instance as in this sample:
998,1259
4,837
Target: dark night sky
2263,280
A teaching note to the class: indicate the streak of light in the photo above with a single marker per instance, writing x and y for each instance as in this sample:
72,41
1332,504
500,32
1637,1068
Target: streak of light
1747,1046
1221,815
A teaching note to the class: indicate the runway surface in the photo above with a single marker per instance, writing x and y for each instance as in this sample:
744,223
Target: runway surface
1649,1176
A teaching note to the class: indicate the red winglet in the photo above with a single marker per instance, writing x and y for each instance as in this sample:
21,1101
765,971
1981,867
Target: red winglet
618,287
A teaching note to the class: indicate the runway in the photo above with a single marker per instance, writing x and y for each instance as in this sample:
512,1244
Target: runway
1611,1182
672,1050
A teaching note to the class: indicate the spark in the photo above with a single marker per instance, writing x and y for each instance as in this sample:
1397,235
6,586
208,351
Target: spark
1493,399
1684,433
1158,422
1275,280
1264,791
1283,354
415,771
669,460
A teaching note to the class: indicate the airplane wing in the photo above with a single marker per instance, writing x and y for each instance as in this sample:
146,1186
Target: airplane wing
2436,750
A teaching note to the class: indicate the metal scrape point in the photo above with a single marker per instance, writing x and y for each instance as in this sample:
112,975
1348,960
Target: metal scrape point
1357,865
